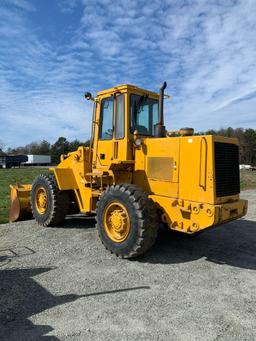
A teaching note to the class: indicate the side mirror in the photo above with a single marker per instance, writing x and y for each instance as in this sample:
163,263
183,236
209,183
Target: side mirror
88,96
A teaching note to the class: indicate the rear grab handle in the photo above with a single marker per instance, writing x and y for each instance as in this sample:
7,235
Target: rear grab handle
203,163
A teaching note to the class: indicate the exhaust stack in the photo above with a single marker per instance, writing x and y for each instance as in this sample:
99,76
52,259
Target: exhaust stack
160,130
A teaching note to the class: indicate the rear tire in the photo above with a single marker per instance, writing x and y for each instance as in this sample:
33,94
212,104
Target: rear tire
49,204
128,209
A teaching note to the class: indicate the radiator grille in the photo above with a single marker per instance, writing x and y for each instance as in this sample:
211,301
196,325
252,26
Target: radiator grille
226,169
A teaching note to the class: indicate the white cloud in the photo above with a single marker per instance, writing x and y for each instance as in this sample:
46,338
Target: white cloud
22,4
205,50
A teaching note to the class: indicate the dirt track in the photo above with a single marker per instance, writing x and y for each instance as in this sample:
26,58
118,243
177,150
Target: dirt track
61,284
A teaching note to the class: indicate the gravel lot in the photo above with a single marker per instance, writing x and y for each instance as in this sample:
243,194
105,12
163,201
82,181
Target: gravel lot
61,284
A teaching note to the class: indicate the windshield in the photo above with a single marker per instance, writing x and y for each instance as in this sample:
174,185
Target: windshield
144,114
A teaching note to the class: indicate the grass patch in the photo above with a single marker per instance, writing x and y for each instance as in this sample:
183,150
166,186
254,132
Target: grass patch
12,176
248,179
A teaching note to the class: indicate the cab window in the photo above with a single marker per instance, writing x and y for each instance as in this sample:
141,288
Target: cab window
143,114
119,123
106,122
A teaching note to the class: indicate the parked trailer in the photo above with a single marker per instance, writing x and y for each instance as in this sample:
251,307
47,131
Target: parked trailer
8,161
38,160
245,167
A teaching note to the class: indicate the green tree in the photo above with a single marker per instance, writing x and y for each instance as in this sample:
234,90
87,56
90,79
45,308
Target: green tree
73,145
61,146
210,132
44,148
230,132
250,144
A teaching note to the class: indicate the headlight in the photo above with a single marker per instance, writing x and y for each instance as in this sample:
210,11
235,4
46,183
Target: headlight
137,142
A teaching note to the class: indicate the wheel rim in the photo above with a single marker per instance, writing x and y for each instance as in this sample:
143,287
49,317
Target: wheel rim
117,222
41,200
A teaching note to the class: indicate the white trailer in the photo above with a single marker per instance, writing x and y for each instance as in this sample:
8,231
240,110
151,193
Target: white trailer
245,167
38,160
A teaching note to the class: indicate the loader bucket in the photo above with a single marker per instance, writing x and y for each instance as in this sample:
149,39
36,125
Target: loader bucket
20,203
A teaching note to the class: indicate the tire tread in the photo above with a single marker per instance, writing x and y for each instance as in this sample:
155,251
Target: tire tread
147,218
59,205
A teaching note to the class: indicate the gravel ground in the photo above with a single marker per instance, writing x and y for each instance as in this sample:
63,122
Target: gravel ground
61,284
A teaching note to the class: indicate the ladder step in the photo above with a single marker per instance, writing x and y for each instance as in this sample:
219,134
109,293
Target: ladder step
97,174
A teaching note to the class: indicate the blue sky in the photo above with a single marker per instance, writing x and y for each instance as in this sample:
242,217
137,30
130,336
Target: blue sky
51,51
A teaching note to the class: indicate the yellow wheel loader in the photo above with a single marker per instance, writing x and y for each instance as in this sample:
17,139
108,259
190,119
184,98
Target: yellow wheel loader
135,174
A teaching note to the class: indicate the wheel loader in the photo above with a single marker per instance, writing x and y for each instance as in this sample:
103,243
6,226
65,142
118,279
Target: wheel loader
136,175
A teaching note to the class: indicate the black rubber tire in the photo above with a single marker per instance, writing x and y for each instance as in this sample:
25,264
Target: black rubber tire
143,216
58,201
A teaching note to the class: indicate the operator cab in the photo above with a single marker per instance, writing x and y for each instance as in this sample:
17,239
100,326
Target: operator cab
139,106
120,114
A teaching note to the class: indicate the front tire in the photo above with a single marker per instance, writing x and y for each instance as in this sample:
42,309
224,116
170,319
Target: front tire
127,220
49,204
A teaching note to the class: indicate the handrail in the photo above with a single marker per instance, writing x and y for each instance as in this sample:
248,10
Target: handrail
203,163
92,131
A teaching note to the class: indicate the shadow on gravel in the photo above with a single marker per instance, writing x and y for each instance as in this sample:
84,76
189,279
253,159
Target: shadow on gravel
232,244
115,291
79,222
20,298
7,255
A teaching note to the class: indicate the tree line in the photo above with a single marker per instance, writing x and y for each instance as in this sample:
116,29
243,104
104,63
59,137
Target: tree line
247,142
246,137
61,146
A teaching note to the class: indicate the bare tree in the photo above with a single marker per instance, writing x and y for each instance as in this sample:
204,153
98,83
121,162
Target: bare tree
2,145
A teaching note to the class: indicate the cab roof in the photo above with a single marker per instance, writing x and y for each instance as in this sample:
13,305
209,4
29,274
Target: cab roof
127,87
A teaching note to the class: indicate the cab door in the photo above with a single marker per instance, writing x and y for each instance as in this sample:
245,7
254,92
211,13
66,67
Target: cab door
110,144
105,129
120,136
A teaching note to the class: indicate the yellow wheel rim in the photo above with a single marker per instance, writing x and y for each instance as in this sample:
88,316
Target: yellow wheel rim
117,222
41,200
